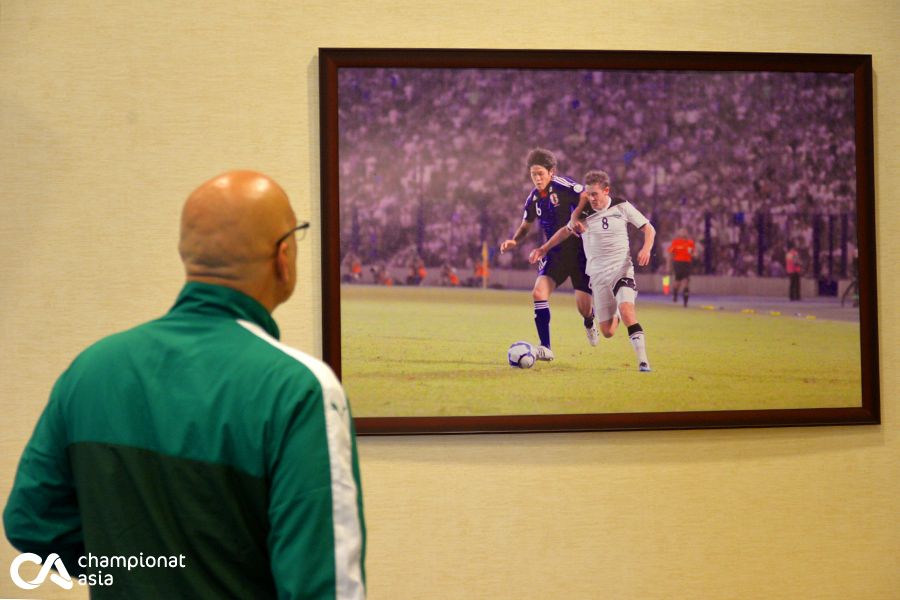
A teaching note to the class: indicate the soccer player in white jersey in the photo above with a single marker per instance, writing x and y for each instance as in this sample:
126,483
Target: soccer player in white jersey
604,233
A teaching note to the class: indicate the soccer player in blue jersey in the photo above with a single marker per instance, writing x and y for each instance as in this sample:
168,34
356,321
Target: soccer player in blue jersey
552,202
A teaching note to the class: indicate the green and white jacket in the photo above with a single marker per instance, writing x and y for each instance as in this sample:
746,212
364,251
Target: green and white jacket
198,435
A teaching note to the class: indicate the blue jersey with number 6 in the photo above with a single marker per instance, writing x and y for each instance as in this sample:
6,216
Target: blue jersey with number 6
553,207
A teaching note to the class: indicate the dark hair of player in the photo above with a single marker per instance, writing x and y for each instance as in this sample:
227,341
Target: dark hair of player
542,158
597,177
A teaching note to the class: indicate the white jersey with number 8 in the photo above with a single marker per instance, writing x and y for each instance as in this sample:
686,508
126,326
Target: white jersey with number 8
606,241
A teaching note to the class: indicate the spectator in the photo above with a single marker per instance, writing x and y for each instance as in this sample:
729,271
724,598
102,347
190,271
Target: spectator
680,143
199,436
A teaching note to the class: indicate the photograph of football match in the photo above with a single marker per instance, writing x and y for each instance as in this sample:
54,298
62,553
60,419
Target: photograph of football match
521,242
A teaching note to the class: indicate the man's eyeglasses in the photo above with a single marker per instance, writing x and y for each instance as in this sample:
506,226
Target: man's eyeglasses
299,229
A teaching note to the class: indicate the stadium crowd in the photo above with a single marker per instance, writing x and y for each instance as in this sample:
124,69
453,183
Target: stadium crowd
432,160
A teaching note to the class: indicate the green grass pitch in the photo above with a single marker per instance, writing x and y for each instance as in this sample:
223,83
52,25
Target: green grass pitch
442,352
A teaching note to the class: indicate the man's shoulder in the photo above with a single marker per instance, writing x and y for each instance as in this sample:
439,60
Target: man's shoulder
628,207
235,345
114,346
568,184
614,203
289,361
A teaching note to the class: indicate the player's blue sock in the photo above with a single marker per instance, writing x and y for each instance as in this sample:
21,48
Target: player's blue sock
589,321
542,321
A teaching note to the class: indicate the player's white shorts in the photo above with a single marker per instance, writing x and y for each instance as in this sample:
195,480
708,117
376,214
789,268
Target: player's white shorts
609,293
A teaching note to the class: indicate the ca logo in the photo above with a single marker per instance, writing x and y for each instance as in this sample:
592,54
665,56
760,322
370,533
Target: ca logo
62,579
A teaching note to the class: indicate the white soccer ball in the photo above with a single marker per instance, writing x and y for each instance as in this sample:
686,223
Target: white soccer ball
521,354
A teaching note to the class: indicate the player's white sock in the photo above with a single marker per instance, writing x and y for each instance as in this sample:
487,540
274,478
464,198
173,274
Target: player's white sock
636,335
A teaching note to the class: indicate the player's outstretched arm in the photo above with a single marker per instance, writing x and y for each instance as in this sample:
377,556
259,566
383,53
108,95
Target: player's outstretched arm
520,233
559,237
649,237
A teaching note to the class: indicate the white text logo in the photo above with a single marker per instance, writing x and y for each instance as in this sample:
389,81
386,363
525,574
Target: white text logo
53,561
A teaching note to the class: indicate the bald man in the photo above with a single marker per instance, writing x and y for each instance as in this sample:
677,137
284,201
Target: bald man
196,456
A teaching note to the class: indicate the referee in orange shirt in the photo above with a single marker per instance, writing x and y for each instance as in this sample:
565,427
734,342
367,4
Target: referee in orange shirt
682,251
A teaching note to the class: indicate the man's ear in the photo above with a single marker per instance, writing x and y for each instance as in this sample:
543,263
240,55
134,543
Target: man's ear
282,262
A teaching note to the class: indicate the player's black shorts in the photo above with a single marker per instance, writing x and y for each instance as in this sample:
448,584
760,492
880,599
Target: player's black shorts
569,262
682,269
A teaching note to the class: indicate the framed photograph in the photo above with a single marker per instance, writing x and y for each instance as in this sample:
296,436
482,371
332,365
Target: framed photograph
525,241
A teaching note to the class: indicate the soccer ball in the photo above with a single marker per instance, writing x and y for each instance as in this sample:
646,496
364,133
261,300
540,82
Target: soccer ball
521,354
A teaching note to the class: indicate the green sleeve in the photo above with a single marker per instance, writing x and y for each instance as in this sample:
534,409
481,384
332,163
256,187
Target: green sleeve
315,549
41,514
359,503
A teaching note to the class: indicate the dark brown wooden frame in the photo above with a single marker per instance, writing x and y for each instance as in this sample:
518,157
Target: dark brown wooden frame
333,59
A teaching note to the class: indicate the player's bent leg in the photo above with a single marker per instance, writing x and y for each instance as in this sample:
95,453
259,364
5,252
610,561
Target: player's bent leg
608,327
605,310
585,303
612,319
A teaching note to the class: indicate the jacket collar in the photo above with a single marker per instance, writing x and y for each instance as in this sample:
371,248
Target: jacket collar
211,299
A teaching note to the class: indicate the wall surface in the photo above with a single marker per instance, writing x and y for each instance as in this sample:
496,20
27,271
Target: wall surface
111,112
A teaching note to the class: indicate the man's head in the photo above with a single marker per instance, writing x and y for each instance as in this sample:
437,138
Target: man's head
541,167
596,184
233,233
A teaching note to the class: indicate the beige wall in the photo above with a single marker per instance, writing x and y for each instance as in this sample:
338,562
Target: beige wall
109,115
